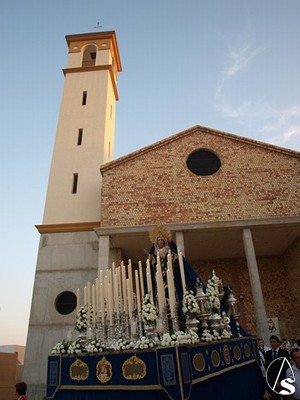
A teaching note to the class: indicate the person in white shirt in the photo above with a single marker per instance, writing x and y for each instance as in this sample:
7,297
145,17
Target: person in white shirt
295,355
262,349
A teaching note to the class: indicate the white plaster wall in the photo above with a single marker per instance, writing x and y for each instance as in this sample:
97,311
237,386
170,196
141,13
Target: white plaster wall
62,206
66,261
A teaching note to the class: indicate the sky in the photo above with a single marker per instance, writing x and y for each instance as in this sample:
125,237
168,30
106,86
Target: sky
230,65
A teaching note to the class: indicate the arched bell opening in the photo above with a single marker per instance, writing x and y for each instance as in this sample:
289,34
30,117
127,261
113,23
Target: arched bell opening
89,56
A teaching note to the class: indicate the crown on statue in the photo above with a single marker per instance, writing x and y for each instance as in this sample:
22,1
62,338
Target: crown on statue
160,231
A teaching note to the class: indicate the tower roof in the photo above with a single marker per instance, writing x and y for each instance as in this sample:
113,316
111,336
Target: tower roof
75,40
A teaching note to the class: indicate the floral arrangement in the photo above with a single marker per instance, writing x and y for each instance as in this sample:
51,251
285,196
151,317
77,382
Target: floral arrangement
212,289
176,338
61,348
225,334
144,343
192,337
76,347
83,318
206,336
123,344
190,306
94,347
149,311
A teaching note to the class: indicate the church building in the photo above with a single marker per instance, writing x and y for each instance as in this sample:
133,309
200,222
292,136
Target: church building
232,204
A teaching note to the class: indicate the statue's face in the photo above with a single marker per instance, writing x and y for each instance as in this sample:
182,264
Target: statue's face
160,242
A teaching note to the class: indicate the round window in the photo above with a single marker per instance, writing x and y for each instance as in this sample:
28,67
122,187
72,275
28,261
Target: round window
66,302
203,162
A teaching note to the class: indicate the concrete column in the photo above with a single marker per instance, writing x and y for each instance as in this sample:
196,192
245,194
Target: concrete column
180,241
103,255
261,316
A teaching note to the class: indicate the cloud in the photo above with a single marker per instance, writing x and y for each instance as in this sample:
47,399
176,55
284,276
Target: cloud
259,110
237,59
240,57
261,118
279,126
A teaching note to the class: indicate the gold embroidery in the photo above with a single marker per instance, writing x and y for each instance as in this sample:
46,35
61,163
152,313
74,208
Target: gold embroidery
226,354
215,358
199,362
134,368
79,371
237,353
104,370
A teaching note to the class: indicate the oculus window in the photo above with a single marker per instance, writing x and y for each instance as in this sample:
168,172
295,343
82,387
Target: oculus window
203,162
65,303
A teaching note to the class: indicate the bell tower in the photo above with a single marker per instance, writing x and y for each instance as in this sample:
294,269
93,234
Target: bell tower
85,129
69,247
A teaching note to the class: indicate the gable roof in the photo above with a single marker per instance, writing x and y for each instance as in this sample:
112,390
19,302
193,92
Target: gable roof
190,131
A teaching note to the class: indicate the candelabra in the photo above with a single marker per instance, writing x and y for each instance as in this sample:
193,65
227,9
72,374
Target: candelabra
215,321
174,319
234,311
162,323
204,307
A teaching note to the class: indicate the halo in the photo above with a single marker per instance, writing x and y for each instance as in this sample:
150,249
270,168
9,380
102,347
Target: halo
160,230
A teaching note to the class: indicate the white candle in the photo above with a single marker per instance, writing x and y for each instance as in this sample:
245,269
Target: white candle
77,296
124,287
110,296
89,301
102,303
101,277
170,293
97,305
138,294
85,296
130,277
171,287
141,279
181,266
149,280
94,303
116,295
159,296
88,293
120,288
160,286
129,300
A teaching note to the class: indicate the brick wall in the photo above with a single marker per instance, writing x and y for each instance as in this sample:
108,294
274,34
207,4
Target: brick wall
153,185
255,181
280,293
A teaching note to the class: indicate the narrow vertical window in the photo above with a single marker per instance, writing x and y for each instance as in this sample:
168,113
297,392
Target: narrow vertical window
109,149
75,183
84,97
79,139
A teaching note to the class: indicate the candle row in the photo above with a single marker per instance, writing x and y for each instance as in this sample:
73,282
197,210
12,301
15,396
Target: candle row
112,292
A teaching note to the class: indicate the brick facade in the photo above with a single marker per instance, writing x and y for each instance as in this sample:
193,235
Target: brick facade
154,184
256,180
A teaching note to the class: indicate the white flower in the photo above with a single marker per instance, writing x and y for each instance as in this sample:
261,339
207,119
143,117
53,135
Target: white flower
82,318
144,343
189,304
179,338
123,344
212,290
76,348
60,348
149,311
94,347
